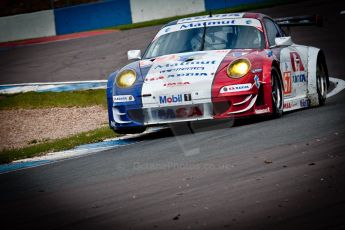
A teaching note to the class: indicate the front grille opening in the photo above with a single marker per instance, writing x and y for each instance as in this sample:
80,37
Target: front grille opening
221,107
136,115
260,99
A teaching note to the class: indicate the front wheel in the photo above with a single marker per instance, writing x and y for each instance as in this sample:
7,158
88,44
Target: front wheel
277,93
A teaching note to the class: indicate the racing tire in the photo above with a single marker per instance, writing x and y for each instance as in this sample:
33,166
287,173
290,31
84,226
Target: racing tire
131,130
277,93
321,80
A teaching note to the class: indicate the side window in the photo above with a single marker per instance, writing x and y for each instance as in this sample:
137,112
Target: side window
271,30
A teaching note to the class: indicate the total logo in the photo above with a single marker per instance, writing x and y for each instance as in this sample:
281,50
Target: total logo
299,78
175,99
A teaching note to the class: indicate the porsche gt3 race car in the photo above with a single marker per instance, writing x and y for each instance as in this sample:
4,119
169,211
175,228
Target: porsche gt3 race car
217,67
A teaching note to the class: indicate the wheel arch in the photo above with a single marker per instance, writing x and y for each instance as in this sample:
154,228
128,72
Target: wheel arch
314,54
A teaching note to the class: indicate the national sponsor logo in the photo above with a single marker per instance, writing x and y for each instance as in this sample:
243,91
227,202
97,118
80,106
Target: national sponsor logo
123,98
175,99
236,88
173,84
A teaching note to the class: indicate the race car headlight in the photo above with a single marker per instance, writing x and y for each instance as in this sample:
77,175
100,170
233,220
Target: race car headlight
238,68
126,78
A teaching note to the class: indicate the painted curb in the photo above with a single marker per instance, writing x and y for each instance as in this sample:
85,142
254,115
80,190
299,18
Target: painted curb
53,86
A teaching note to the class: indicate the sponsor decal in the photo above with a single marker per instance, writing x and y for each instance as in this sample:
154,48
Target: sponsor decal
261,111
123,98
216,16
304,103
299,78
257,82
287,83
238,54
154,78
258,70
166,58
173,84
236,88
290,105
192,68
187,75
296,62
175,99
269,53
192,71
209,23
190,63
145,63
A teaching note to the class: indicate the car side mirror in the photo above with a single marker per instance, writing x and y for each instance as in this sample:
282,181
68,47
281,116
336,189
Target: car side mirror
283,41
134,55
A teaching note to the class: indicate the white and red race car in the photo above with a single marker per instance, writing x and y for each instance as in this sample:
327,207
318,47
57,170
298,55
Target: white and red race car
217,67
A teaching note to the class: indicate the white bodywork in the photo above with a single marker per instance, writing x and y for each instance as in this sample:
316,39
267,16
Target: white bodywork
298,69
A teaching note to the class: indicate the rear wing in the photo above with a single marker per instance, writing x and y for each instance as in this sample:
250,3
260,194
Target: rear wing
306,20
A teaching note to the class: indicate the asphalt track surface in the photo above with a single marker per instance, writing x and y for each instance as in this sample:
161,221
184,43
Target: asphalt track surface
286,173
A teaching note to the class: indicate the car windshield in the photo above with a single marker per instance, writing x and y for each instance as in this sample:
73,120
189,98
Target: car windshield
206,38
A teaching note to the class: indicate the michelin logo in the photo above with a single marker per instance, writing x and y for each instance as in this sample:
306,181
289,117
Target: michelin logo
123,98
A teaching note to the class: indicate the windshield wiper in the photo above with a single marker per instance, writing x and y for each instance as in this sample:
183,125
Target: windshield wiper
203,38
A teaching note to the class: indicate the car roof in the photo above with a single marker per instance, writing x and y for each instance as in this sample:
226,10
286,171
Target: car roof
215,17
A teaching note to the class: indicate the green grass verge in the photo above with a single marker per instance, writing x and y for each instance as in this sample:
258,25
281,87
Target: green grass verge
66,143
242,8
34,100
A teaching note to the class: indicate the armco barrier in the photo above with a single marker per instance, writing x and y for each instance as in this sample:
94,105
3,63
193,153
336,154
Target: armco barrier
221,4
25,26
146,10
92,16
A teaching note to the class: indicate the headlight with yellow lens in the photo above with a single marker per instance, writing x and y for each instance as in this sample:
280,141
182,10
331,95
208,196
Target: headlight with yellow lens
238,68
126,78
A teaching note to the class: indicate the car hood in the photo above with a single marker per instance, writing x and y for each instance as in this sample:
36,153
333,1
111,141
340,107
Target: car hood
187,73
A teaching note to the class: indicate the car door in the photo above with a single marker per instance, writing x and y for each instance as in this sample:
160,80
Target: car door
293,64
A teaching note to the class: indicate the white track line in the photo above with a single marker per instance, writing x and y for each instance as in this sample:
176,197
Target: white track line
339,86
